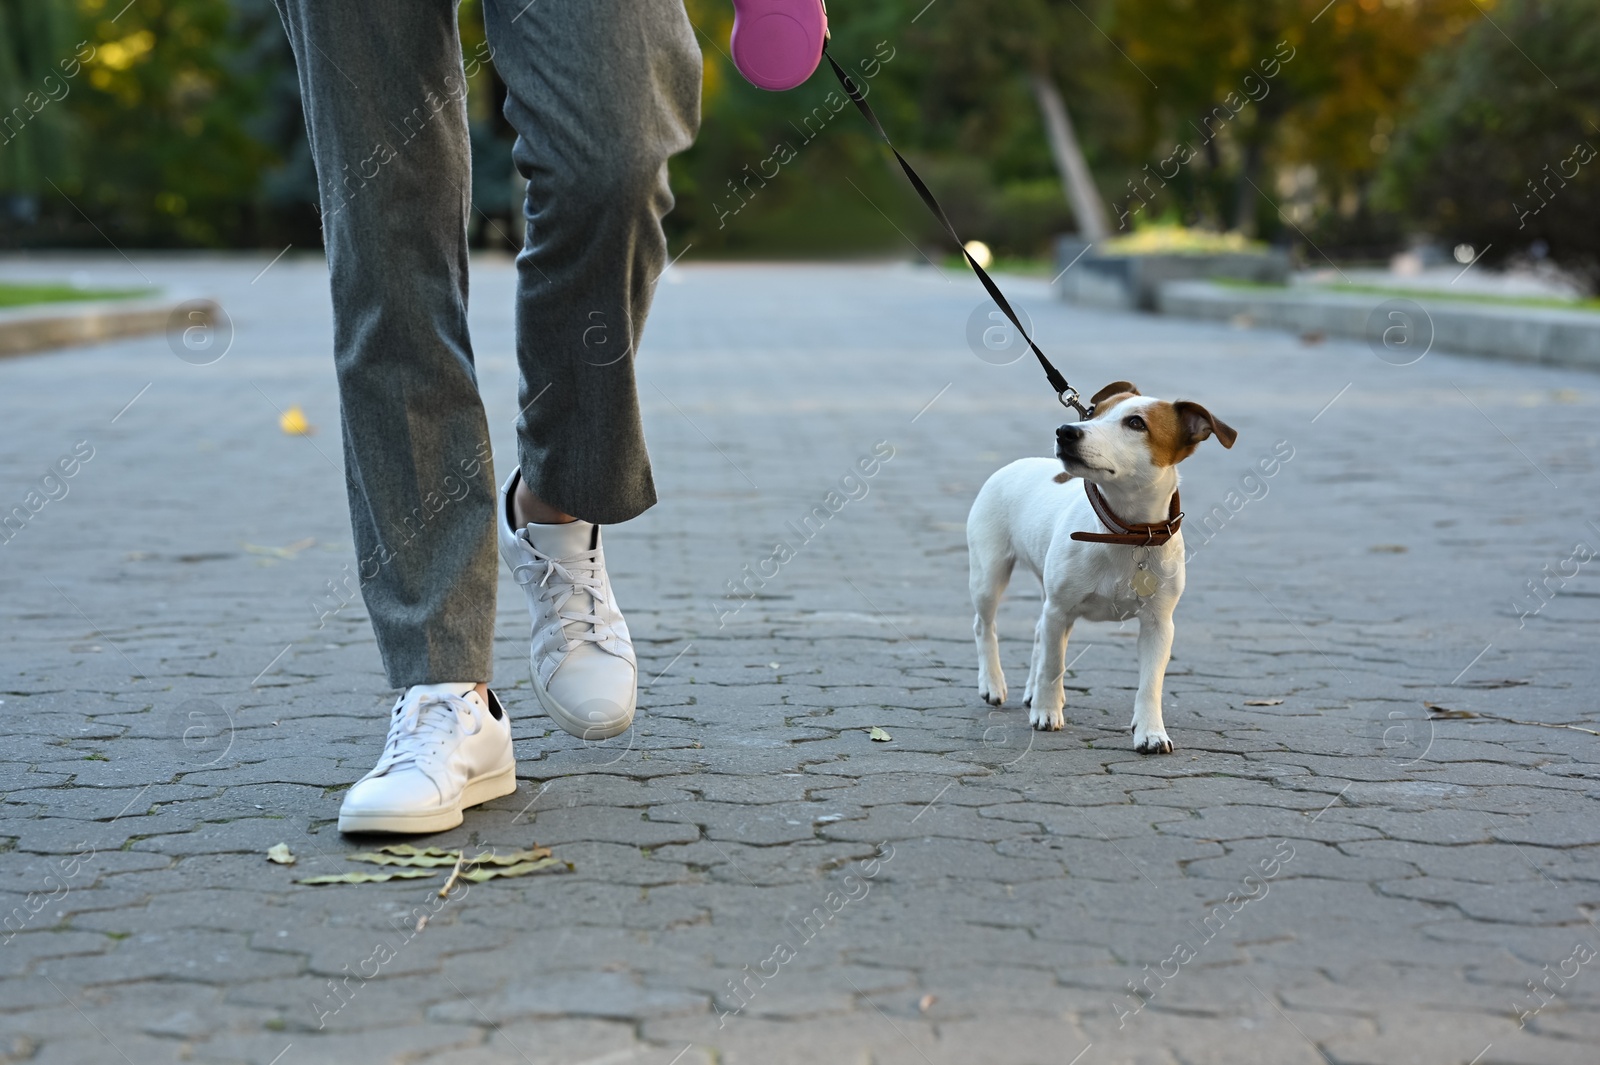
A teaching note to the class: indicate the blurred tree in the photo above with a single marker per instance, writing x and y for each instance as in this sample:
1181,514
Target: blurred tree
996,74
1502,149
793,172
1351,93
182,126
1235,90
38,64
954,84
170,116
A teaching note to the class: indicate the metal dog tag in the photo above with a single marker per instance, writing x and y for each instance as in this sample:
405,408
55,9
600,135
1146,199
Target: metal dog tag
1144,583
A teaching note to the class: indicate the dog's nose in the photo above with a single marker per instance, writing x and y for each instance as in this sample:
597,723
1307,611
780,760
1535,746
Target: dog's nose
1069,432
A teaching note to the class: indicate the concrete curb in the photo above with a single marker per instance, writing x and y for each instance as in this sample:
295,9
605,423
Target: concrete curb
55,325
1133,282
1549,336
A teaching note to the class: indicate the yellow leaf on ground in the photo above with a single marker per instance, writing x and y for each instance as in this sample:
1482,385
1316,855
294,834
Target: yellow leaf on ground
293,422
279,853
878,735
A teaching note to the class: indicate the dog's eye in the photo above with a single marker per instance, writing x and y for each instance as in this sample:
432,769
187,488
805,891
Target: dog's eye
1136,423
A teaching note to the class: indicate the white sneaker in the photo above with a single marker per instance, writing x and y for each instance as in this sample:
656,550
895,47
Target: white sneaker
447,750
582,659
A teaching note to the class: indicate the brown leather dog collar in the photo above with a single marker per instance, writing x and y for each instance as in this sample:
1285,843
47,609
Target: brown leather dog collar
1150,534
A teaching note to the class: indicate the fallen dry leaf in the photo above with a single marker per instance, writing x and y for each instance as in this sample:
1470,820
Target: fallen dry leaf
533,854
286,553
368,878
406,850
1435,710
878,735
478,874
927,1001
293,422
1263,702
279,853
415,861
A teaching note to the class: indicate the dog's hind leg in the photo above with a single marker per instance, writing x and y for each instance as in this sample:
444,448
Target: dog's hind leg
1047,671
1038,650
988,575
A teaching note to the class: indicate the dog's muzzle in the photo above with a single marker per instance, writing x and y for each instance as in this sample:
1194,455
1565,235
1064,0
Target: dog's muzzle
1068,437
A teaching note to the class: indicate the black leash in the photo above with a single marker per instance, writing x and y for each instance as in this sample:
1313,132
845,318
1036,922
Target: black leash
1065,393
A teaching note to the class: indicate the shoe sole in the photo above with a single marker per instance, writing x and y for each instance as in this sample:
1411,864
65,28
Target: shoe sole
478,790
572,723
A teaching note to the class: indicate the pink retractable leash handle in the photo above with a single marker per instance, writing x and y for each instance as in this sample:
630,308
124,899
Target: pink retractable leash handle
777,44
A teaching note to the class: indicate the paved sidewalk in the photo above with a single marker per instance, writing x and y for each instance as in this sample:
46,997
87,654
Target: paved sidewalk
1330,878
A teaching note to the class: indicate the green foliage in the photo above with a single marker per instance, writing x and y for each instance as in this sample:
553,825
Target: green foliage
1502,150
14,295
950,84
36,56
174,94
183,126
1284,104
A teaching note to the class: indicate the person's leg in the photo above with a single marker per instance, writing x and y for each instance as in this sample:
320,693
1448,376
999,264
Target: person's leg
600,94
385,104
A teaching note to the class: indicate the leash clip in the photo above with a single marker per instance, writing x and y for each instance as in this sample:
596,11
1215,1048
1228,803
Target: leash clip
1068,397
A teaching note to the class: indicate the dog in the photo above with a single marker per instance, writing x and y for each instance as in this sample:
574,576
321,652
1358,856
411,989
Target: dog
1099,526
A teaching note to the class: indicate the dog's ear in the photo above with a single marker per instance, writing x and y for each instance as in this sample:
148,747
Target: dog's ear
1115,388
1199,423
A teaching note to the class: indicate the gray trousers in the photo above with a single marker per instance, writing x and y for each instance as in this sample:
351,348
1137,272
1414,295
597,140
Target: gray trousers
600,93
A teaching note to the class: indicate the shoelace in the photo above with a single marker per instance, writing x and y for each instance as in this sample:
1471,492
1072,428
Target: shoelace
580,571
412,730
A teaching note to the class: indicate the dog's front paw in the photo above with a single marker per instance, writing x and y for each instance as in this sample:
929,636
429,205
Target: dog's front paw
992,692
1151,740
1046,720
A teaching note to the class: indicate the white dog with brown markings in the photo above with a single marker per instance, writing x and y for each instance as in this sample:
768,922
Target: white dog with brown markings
1100,529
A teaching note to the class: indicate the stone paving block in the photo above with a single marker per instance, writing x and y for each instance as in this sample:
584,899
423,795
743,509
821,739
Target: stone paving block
1546,829
23,949
386,1043
609,824
1118,821
1433,1036
737,862
551,993
764,825
1515,902
859,1037
562,1041
182,954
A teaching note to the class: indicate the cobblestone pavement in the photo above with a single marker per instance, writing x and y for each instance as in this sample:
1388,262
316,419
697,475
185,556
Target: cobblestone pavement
1320,872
